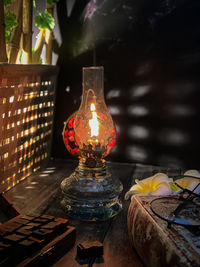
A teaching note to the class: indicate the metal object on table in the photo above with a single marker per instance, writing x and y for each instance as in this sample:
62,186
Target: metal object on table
182,209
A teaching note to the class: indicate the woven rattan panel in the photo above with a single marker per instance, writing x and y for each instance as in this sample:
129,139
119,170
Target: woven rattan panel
26,120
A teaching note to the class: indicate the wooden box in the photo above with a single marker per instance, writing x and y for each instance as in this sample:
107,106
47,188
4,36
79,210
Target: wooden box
26,120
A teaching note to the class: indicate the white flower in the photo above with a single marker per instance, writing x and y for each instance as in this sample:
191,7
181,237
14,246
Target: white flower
190,183
159,184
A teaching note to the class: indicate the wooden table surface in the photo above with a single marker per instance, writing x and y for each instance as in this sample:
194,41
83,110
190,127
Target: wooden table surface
41,193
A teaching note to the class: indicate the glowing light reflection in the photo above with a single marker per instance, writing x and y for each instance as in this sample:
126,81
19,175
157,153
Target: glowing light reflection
137,110
113,94
114,110
138,132
67,89
136,153
49,171
143,69
139,91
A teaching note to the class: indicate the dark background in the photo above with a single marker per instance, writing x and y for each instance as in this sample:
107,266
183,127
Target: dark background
150,51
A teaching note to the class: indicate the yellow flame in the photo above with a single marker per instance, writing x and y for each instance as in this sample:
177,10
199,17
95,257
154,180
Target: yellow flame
93,123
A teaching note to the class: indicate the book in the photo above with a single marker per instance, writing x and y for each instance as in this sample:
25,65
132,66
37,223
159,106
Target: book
156,244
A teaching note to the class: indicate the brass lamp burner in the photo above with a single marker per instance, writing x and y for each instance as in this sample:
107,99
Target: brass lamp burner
91,162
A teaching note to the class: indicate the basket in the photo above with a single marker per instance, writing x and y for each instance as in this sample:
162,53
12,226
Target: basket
26,120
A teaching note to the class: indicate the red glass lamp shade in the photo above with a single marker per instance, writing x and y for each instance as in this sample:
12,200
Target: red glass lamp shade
69,136
71,143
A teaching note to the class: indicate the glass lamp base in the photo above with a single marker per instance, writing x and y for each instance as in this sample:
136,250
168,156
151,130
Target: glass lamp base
91,194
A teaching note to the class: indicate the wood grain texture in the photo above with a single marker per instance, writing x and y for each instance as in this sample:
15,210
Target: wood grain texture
3,54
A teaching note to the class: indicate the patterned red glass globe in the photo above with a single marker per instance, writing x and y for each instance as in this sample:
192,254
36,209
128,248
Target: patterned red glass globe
70,142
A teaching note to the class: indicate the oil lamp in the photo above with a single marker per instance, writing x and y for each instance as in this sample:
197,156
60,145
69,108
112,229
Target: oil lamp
91,192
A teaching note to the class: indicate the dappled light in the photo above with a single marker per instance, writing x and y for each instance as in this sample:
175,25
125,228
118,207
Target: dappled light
115,110
136,153
139,91
137,110
30,187
138,132
49,171
113,94
44,174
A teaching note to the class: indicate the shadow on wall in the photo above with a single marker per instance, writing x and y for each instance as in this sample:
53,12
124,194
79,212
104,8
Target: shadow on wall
151,84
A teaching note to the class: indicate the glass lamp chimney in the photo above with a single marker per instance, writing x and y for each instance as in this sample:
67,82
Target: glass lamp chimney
93,123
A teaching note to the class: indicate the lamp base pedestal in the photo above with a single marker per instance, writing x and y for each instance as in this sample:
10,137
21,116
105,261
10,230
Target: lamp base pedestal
91,194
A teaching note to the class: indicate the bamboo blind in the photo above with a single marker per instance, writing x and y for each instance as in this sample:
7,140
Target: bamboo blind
26,120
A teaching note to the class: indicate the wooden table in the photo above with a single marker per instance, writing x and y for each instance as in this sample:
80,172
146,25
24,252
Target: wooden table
41,193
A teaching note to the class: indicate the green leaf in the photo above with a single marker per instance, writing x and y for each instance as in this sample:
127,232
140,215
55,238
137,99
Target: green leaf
34,4
8,2
40,60
174,187
44,20
11,23
52,2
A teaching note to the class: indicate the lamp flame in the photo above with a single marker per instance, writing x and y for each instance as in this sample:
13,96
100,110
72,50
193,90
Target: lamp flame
93,123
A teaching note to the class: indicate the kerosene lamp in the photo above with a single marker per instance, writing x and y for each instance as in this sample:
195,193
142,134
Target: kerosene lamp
91,192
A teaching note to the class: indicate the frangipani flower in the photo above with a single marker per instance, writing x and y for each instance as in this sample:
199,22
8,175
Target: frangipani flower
190,183
159,184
